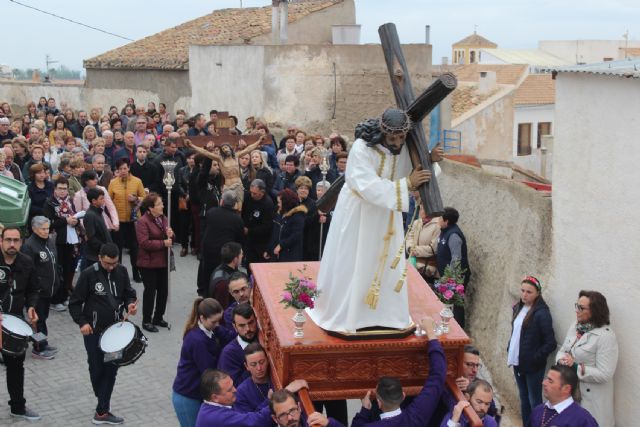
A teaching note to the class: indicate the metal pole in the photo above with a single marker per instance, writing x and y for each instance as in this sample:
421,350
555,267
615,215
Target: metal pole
168,180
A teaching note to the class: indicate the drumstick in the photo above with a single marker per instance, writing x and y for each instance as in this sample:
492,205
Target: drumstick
126,316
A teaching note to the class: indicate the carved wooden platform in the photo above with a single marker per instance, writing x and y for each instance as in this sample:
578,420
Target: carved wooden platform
339,369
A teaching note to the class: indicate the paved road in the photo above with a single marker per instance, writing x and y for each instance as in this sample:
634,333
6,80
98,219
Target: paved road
60,390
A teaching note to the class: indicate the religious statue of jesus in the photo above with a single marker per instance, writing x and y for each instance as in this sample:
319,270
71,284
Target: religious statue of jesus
363,270
229,166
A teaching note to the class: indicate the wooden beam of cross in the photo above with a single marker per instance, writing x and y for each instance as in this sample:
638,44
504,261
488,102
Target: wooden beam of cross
417,109
223,125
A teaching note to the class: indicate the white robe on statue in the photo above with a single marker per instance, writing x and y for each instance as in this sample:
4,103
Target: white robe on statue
370,204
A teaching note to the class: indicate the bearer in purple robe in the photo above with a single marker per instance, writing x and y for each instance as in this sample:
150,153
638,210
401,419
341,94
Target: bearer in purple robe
389,394
240,290
219,395
253,393
561,410
480,395
286,412
232,358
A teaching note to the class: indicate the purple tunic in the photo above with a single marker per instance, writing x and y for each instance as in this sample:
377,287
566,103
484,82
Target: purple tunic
198,353
232,362
419,412
574,416
251,397
211,415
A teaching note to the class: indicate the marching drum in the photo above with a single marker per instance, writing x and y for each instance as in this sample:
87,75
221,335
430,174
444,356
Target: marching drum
122,343
15,335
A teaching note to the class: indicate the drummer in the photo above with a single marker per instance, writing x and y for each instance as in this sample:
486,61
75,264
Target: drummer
102,292
17,272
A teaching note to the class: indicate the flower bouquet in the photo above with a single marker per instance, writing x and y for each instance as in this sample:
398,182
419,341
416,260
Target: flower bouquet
450,287
299,293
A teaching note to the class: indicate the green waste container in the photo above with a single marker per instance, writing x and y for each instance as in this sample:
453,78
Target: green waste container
14,202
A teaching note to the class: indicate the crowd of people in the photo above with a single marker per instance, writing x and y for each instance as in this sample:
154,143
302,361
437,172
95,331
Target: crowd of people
95,183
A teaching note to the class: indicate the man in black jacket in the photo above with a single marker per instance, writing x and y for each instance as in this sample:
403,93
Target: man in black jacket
95,228
222,225
18,288
257,214
149,173
102,293
42,252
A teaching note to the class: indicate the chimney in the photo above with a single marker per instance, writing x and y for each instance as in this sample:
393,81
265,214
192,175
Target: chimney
487,82
445,60
427,34
284,21
275,18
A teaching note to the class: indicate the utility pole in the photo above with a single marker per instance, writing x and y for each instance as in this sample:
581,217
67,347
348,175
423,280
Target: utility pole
48,61
626,44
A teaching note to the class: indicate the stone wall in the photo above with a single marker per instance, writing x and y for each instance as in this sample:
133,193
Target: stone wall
487,130
169,86
508,230
317,87
78,97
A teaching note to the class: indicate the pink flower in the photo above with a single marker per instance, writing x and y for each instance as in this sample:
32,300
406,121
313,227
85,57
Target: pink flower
460,289
447,294
451,281
442,288
310,285
306,300
286,296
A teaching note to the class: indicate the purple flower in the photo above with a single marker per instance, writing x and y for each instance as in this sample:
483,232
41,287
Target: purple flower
447,294
310,285
286,296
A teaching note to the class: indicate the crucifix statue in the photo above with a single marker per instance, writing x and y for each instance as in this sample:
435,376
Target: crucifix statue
363,269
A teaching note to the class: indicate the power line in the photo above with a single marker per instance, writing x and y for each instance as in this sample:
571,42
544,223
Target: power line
70,20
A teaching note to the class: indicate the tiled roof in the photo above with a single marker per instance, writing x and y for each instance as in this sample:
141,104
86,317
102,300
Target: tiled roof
464,98
476,41
536,89
505,74
169,49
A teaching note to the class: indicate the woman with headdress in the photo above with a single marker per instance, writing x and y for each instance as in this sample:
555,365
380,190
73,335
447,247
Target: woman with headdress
532,341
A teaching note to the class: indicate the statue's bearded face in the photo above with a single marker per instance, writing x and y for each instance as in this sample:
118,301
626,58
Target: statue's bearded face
394,142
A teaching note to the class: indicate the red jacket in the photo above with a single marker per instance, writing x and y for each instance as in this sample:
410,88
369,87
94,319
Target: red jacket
151,250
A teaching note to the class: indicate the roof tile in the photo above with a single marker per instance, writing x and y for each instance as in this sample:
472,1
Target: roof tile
536,89
169,49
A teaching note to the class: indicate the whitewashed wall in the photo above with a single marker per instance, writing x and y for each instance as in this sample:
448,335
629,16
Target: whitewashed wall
533,114
596,201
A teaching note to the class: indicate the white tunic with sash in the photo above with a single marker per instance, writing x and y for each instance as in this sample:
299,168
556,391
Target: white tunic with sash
369,207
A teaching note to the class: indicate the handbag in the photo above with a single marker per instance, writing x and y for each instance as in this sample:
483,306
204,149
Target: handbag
182,203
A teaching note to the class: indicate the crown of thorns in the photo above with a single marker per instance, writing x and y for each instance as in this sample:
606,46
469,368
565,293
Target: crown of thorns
395,121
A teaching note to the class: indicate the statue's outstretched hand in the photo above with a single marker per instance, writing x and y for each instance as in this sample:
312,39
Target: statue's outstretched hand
437,154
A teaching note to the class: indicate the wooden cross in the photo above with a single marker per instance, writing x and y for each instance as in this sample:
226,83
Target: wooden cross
223,125
417,109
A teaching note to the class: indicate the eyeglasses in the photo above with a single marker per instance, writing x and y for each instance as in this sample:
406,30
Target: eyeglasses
473,365
289,414
580,308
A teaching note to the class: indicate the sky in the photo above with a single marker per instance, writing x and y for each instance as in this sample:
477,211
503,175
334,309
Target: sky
30,35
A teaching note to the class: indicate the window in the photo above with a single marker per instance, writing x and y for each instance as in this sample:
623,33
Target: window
472,56
524,139
544,128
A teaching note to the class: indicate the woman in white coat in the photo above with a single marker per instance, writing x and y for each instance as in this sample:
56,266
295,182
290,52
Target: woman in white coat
591,347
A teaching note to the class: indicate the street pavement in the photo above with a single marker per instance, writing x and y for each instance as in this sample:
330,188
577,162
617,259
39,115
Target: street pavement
60,390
